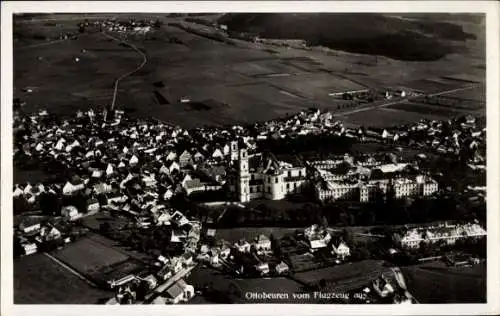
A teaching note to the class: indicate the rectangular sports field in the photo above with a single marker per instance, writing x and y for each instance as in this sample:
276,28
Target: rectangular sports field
89,257
40,280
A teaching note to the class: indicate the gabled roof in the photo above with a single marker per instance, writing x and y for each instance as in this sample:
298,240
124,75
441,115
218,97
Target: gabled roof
175,290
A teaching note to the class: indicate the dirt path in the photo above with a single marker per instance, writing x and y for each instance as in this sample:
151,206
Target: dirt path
125,75
367,108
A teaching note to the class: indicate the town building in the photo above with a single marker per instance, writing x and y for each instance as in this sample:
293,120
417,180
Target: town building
264,176
448,234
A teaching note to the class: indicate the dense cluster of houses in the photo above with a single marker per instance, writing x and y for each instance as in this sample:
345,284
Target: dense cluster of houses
134,167
35,233
444,233
130,26
258,257
168,278
243,257
319,238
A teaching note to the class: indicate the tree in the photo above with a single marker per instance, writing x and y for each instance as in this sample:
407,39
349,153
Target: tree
50,204
360,252
322,283
104,228
21,205
347,236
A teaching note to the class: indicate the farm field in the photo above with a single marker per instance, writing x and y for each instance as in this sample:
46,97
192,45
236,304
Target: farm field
346,276
477,94
431,284
383,117
251,83
318,86
39,280
436,110
431,86
235,289
90,257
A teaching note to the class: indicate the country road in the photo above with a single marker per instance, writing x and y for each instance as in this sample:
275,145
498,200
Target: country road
125,75
386,104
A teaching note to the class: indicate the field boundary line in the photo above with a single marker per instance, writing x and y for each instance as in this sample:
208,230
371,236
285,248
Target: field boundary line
115,248
407,100
70,269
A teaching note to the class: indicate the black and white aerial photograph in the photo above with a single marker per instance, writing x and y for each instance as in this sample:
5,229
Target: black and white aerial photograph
249,158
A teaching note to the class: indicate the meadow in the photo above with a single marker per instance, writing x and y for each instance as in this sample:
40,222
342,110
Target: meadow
249,80
39,280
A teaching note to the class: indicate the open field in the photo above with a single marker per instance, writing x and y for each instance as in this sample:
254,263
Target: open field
90,257
247,81
384,117
434,110
236,288
432,284
477,94
345,277
39,280
432,85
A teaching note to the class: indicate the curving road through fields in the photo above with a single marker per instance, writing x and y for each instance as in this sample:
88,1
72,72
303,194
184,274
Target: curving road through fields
125,75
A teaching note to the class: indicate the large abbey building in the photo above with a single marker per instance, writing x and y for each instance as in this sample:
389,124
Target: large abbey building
264,176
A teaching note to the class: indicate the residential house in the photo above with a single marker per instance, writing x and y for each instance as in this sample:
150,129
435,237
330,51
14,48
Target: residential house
342,251
225,251
198,157
163,219
171,156
133,160
180,291
282,268
73,186
242,246
262,244
173,166
185,158
175,265
194,185
262,268
317,244
50,233
168,194
109,170
179,219
29,225
93,205
116,198
70,212
17,192
178,236
29,248
102,188
218,154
